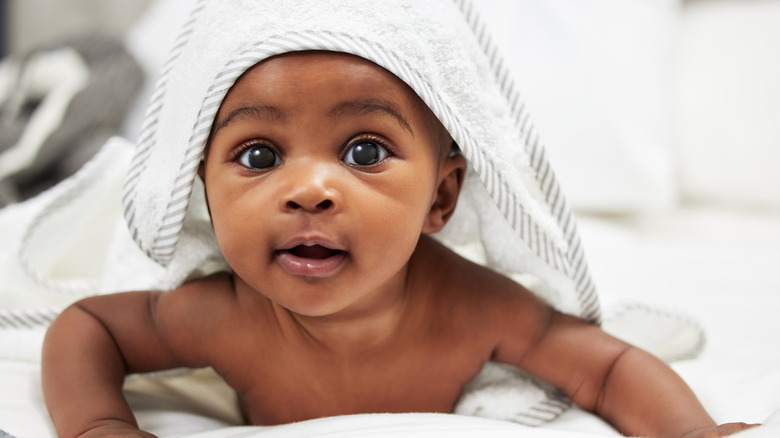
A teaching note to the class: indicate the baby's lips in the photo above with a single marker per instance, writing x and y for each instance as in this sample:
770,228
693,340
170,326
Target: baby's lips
311,256
309,243
307,266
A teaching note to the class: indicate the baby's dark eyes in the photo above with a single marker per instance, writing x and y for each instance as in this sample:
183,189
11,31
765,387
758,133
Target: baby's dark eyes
365,153
360,153
259,157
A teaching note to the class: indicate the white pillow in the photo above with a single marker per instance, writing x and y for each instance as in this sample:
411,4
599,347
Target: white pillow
596,77
728,105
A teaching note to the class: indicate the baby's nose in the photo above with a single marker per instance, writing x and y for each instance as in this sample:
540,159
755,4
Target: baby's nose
322,205
312,189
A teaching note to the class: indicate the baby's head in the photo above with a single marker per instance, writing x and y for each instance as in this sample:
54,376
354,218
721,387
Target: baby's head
514,218
321,163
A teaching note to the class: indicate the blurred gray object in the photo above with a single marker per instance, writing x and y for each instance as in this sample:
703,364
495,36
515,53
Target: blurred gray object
4,49
58,105
35,23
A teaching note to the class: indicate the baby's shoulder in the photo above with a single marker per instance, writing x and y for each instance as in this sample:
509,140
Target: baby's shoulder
190,320
498,297
483,306
479,289
198,301
218,285
202,292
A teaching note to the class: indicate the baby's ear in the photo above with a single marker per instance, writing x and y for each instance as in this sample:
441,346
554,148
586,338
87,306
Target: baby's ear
202,170
202,175
452,171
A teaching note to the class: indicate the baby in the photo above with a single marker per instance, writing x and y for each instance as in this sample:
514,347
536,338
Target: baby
325,175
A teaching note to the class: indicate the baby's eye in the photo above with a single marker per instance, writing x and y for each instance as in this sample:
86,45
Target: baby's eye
259,157
365,154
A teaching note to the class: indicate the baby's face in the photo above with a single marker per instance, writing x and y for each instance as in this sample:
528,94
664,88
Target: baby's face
320,175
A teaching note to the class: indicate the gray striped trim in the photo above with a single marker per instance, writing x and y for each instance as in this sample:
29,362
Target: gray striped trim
147,137
27,319
541,413
575,265
482,400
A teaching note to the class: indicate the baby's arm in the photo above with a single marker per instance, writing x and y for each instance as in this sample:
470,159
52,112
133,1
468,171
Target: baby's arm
633,390
87,352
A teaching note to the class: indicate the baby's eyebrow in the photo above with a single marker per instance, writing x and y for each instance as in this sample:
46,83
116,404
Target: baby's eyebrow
370,106
264,112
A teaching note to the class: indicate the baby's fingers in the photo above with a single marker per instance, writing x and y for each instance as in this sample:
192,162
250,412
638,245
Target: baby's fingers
719,431
732,428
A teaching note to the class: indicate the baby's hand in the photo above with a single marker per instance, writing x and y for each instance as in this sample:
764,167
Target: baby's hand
115,429
719,431
116,433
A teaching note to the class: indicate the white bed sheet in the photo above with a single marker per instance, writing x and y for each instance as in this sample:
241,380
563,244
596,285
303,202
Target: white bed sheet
719,268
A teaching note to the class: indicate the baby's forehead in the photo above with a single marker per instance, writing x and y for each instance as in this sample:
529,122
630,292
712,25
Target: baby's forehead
333,61
364,86
359,74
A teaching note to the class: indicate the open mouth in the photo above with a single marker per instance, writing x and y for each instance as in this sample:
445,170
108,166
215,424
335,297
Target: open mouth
317,252
311,260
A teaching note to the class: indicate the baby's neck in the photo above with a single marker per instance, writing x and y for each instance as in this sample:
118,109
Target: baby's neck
352,336
359,328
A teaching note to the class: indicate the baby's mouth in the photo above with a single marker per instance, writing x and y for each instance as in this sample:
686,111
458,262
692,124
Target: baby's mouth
312,260
317,252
